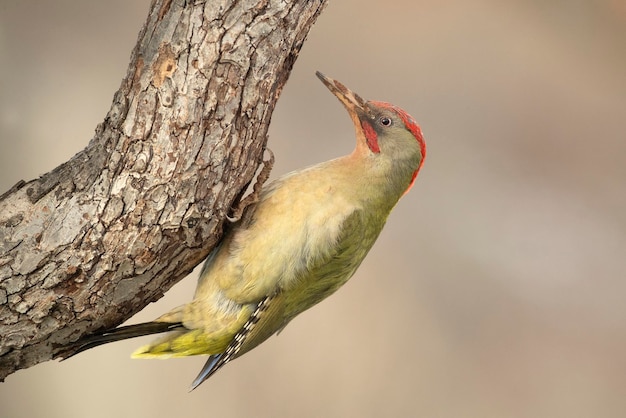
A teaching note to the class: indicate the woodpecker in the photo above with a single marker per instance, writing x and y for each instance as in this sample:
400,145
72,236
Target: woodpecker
306,236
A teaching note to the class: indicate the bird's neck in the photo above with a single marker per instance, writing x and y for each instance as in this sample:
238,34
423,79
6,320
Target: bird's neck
375,181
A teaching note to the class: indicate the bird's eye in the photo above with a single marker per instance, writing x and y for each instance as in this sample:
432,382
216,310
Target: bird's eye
385,121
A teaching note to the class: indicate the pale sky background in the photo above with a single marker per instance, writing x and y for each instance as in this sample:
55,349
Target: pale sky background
497,289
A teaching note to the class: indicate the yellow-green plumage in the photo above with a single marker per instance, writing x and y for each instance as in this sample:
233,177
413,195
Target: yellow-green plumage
305,238
300,242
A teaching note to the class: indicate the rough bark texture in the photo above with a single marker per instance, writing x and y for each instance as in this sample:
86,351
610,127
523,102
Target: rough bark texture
89,244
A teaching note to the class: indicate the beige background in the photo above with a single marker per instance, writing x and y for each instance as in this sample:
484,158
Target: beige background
498,288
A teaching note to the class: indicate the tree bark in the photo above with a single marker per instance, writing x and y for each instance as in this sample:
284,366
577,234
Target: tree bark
92,242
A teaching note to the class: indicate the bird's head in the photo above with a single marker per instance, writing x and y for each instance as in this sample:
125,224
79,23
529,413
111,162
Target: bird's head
382,129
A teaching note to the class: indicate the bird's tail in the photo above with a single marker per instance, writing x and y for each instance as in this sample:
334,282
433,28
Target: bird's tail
121,333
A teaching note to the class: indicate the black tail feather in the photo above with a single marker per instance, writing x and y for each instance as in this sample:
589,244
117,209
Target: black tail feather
213,364
121,333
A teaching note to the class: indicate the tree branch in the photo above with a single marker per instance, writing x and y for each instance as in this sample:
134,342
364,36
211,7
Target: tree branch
92,242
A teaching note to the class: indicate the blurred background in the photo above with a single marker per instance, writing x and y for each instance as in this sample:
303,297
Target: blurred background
497,289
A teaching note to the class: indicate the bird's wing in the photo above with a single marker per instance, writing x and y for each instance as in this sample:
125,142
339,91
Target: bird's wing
330,270
323,275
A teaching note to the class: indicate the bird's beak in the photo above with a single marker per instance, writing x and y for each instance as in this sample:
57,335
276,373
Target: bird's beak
360,113
355,105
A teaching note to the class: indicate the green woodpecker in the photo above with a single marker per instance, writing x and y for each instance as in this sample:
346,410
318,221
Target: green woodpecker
305,238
